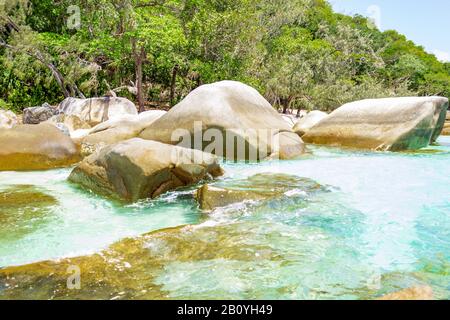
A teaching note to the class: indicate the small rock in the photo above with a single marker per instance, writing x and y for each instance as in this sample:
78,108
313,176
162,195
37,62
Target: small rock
8,119
36,115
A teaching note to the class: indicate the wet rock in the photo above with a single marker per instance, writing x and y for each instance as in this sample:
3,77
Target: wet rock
36,115
393,124
35,147
129,269
23,208
229,119
137,168
413,293
258,187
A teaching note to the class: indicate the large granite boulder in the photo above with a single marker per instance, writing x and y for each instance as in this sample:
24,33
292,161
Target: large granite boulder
229,119
36,115
7,119
96,110
35,147
307,122
137,168
392,124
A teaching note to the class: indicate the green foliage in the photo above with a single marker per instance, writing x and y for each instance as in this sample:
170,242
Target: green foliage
298,53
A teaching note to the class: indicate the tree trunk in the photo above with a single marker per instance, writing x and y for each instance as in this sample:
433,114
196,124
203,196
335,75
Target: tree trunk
285,104
139,56
172,85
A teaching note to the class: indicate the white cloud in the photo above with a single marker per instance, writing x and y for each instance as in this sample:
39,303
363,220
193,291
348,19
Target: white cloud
442,55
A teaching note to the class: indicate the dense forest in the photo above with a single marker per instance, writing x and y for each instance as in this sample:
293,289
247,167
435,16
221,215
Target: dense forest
298,53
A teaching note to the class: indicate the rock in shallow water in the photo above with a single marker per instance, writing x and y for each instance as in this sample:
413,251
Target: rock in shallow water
393,124
414,293
220,117
129,268
23,208
258,187
137,169
35,147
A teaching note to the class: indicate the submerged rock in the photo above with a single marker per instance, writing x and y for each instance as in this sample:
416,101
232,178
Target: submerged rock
227,118
307,122
392,124
35,147
137,169
258,187
23,208
8,119
414,293
130,268
36,115
97,110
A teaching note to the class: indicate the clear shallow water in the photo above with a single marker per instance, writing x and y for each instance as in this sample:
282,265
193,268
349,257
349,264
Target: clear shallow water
83,223
384,226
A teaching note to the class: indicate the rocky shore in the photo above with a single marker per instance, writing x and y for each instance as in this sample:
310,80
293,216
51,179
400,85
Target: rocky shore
120,154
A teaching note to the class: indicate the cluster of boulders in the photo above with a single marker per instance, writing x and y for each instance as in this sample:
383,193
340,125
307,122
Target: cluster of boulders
132,156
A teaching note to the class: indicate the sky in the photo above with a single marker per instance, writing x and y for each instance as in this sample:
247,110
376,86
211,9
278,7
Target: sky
426,22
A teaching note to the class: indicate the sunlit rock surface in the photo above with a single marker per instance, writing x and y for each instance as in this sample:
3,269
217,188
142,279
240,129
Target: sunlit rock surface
392,124
7,119
118,129
35,147
226,107
97,110
303,125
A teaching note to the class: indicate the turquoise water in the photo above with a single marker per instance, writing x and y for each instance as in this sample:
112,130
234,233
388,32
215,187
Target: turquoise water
383,225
